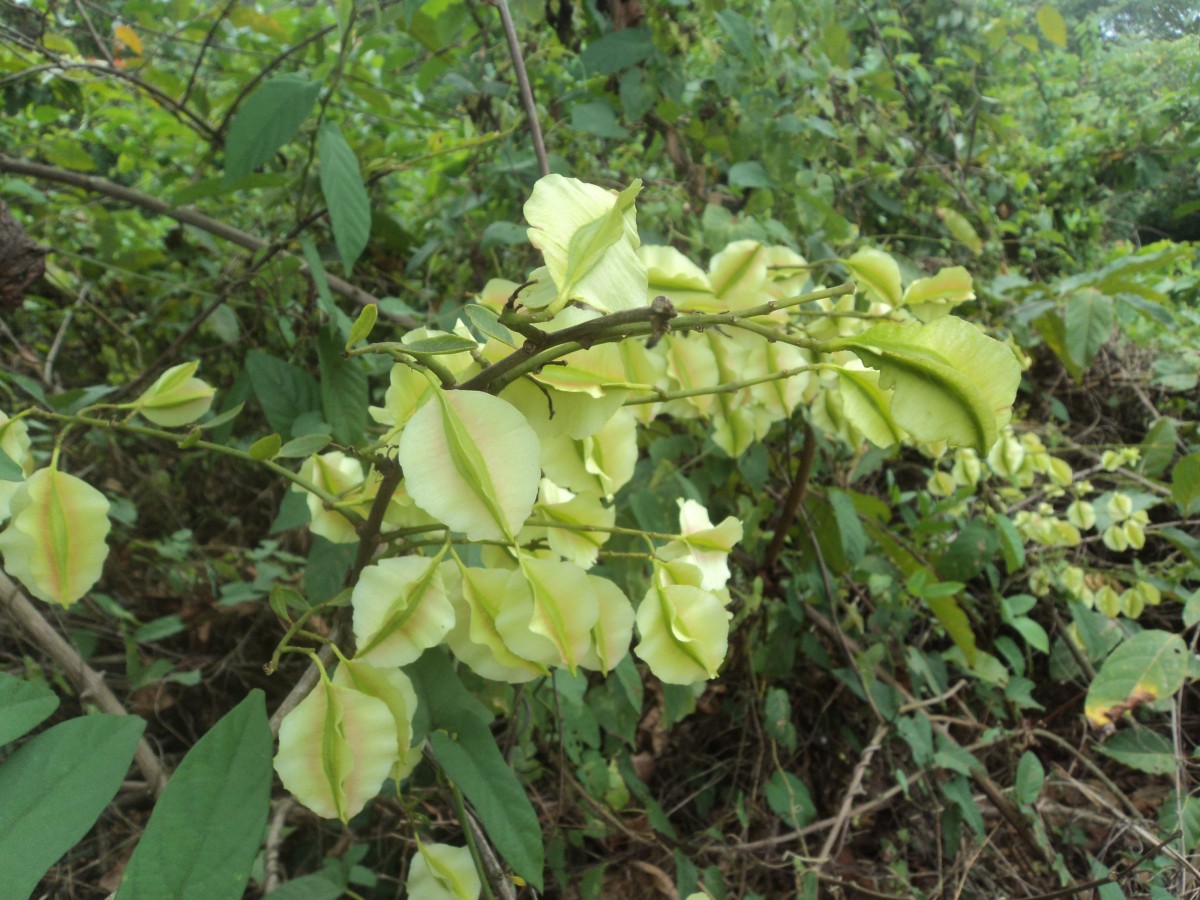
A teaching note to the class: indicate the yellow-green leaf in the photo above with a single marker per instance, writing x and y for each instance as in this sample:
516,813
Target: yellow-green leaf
1147,667
55,542
1052,25
960,229
472,461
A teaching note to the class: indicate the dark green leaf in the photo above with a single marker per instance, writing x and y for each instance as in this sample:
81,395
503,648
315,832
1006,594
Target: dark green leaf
343,389
326,569
9,470
54,787
1031,775
1088,320
205,831
345,194
749,174
23,704
1142,749
1158,447
285,391
269,118
789,799
617,50
1185,484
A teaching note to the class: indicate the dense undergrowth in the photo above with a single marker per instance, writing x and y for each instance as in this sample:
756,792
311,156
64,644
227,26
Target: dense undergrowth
957,668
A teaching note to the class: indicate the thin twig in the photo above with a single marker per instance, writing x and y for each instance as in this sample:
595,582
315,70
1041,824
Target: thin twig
795,497
833,840
271,867
87,680
514,50
187,216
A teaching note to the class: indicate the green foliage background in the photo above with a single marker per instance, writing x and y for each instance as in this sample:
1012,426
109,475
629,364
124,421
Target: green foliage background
1052,151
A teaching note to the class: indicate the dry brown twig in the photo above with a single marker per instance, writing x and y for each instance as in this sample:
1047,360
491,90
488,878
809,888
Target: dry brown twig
87,680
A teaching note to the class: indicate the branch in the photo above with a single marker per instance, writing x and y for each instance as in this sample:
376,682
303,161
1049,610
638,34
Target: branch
186,216
514,50
87,680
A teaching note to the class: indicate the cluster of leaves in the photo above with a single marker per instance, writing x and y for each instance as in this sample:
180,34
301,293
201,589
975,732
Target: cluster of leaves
544,462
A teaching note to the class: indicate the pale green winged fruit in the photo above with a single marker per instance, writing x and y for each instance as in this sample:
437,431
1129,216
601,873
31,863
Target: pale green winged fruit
684,630
336,748
703,545
400,610
14,441
472,462
395,689
588,237
176,398
442,872
337,474
55,542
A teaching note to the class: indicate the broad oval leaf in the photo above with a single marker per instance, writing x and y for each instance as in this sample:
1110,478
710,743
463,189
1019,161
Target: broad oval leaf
205,830
24,704
336,748
1052,25
55,543
54,787
472,461
400,610
952,382
269,118
1147,667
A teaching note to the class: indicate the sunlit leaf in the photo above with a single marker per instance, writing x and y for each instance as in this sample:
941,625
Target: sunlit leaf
877,274
1052,25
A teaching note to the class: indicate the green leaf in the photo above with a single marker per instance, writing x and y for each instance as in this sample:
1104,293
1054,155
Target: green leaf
345,194
1011,544
23,704
202,838
789,799
940,597
1142,749
9,469
472,461
284,391
1158,447
1031,776
305,446
54,787
265,447
361,329
952,382
438,344
616,51
1169,819
465,748
485,322
473,761
269,118
749,174
961,229
343,389
850,530
1052,25
1088,319
1185,484
1147,667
